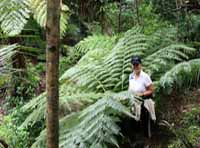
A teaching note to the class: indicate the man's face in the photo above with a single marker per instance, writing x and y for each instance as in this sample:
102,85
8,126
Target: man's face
136,68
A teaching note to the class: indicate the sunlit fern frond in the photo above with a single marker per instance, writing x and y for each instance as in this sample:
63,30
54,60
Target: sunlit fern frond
110,71
99,78
95,42
181,76
162,38
72,99
164,58
6,54
39,9
95,126
88,80
14,16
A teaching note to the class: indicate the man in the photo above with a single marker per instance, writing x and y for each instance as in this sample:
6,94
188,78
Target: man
140,82
141,85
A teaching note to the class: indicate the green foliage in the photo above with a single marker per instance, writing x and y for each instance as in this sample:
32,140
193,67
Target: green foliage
194,30
70,59
165,8
177,77
94,42
101,66
26,88
31,80
192,117
14,137
6,53
111,12
94,126
190,131
97,126
39,9
110,71
162,37
97,76
39,68
150,20
14,16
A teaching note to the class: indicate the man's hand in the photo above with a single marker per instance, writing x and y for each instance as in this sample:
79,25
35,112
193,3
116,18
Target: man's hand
140,94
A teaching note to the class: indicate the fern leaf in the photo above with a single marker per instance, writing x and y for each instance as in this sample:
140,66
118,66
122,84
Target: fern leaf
39,9
181,76
14,16
94,126
95,42
103,75
6,53
166,56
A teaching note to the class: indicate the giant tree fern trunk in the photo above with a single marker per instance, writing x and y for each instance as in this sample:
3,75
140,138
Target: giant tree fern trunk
52,51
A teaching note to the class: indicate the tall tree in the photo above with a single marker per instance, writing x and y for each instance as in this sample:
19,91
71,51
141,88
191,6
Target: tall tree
52,51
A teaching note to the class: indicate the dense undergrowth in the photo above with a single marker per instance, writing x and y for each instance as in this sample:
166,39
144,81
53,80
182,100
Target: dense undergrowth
94,74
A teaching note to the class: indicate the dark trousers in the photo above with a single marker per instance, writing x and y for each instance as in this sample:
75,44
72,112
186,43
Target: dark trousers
144,117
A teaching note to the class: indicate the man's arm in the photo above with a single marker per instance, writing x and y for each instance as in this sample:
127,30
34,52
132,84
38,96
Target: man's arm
149,90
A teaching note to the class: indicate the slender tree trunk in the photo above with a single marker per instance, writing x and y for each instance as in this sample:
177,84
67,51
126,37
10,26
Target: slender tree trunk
187,19
52,51
177,19
137,11
119,16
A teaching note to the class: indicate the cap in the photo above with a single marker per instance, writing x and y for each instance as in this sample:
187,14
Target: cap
135,60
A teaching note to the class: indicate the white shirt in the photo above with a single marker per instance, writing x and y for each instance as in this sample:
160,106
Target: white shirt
140,84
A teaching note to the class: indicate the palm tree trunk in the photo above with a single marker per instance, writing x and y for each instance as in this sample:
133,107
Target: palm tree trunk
52,51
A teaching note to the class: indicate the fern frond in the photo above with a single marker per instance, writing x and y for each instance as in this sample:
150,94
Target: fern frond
160,60
71,100
37,109
111,71
181,76
162,38
95,125
98,78
6,53
14,16
39,9
95,42
67,122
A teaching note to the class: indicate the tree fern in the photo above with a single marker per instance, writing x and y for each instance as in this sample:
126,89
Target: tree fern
94,126
96,77
80,85
112,70
14,16
71,99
